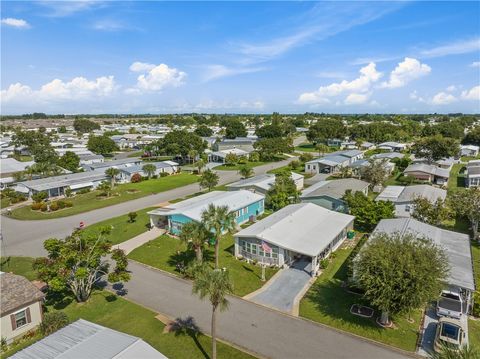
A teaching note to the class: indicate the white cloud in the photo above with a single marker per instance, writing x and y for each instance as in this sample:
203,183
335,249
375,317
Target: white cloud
451,88
17,23
357,98
362,84
56,90
213,72
443,98
475,64
108,25
414,96
156,78
454,48
406,71
67,8
138,66
472,94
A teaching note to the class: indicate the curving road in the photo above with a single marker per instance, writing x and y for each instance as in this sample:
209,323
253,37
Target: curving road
25,238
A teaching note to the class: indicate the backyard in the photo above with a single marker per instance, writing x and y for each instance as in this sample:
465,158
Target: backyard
123,192
109,310
457,178
240,165
329,303
166,252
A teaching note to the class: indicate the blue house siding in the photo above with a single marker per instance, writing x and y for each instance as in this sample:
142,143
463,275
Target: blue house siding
176,221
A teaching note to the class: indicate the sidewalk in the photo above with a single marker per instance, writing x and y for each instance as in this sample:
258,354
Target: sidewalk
140,240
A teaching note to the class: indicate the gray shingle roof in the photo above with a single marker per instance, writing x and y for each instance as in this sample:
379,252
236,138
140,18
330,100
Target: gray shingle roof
335,188
456,246
17,291
83,339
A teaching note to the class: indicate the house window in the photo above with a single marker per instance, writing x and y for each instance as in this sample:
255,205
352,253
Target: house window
20,319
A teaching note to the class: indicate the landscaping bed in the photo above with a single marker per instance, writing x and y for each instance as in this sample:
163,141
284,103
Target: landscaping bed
166,253
125,192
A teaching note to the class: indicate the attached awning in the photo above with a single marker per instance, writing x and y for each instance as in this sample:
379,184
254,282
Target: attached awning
81,185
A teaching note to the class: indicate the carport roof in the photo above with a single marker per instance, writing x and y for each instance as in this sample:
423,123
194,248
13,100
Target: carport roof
456,246
304,228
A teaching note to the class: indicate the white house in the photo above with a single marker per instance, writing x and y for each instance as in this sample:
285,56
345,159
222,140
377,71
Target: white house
332,162
429,173
403,197
392,146
21,306
262,183
220,156
127,171
469,150
472,178
302,230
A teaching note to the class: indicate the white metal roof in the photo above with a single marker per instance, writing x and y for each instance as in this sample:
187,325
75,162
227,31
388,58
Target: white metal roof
304,228
193,207
11,165
265,181
83,339
409,193
456,246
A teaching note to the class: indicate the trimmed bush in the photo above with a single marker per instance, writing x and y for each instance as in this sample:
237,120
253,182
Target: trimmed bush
136,178
61,204
52,322
68,204
36,206
164,174
54,206
43,207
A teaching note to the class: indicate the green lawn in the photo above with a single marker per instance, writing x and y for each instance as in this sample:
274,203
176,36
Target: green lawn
238,166
306,147
165,252
457,179
18,265
474,333
328,303
121,228
125,192
474,325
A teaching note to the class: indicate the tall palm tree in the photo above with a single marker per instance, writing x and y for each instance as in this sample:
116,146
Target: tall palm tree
245,172
149,170
112,172
195,235
218,220
200,165
192,155
215,285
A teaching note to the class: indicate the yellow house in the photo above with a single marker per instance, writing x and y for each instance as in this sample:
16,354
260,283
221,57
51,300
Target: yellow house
21,306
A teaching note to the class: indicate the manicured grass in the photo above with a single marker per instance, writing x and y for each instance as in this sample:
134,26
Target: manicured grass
238,166
121,229
474,325
329,303
4,202
305,147
165,252
125,192
18,265
457,179
23,158
474,333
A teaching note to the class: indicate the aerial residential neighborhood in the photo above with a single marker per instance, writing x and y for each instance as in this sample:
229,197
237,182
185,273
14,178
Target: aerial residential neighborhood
240,180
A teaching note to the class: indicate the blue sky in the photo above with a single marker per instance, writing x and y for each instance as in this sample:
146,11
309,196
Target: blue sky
245,57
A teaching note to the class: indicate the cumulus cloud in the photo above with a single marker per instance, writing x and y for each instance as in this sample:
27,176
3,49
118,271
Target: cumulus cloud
414,96
57,90
156,77
138,66
17,23
443,98
357,99
475,64
472,94
405,72
362,84
451,88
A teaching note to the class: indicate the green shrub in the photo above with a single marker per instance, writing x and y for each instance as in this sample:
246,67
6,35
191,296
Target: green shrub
43,207
54,206
324,263
476,305
52,322
84,190
68,192
4,345
68,204
164,174
36,206
61,204
132,216
40,196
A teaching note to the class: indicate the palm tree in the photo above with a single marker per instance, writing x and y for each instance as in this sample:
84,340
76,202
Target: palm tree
322,148
149,169
215,285
345,172
29,172
192,154
245,172
451,352
218,220
112,172
200,165
195,235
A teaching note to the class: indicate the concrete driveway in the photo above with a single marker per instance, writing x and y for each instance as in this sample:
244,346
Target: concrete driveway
284,290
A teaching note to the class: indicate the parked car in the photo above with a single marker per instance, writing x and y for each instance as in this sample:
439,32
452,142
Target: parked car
450,332
450,304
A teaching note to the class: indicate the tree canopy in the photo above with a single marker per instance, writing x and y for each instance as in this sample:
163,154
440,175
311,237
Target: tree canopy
79,261
70,161
203,131
472,137
435,148
235,128
269,148
82,125
180,143
283,192
101,145
325,129
431,213
400,273
467,204
209,179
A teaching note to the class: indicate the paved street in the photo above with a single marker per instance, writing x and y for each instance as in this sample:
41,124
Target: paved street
26,237
251,326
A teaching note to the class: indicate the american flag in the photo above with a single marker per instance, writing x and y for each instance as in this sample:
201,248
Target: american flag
266,248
